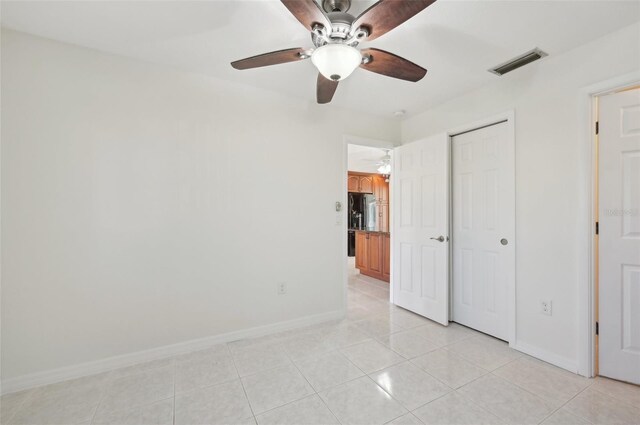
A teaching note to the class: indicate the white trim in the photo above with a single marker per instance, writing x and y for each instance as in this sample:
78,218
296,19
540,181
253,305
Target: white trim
586,274
98,366
374,143
509,116
362,141
554,359
586,296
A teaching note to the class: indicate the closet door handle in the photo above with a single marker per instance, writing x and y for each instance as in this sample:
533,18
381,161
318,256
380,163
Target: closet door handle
439,238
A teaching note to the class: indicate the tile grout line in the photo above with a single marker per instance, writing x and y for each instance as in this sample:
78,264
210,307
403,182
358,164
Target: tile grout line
611,395
175,372
567,402
21,404
109,380
539,397
244,390
391,396
315,392
454,390
337,350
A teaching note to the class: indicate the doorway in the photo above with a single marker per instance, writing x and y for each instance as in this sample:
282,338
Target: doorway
367,218
617,239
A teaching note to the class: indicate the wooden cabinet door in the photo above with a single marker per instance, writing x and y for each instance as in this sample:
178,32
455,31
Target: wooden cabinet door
383,197
383,217
362,251
353,184
386,257
377,187
375,253
381,190
366,184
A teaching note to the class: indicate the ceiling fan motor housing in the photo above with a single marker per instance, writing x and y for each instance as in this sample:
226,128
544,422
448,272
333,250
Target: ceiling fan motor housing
336,5
341,31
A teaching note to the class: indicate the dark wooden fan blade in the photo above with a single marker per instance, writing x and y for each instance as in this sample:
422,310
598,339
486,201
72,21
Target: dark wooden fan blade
385,15
388,64
308,12
326,89
271,58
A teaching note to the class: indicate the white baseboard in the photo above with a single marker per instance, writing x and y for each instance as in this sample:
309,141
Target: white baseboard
24,382
554,359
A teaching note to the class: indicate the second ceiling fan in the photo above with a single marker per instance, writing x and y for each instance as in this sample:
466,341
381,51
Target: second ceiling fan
336,35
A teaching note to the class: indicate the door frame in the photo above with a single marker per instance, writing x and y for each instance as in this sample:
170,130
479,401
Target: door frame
509,118
587,293
341,216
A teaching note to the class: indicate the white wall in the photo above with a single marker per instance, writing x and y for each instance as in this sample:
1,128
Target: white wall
143,207
552,179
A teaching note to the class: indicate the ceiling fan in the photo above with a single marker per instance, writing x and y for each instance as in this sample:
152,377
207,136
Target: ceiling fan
384,163
336,35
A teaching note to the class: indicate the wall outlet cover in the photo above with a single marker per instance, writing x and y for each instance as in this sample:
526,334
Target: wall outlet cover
282,288
545,307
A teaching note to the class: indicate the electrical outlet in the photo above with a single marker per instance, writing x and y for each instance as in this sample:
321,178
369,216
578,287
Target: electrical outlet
282,288
545,307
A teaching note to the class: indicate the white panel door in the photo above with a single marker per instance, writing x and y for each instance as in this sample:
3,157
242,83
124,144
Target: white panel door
619,216
483,228
420,185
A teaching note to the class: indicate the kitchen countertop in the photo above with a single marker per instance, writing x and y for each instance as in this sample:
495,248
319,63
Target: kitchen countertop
369,231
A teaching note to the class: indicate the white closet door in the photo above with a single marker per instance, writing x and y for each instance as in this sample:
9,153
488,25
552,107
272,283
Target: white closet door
420,187
483,228
619,215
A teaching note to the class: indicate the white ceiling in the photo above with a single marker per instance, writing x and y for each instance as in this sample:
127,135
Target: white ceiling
364,159
457,41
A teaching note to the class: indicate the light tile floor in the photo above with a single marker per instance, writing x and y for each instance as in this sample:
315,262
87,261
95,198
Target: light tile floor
382,364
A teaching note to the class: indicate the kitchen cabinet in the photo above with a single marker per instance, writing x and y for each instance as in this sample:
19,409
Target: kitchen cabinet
383,216
353,183
381,190
361,250
386,257
360,183
373,254
366,184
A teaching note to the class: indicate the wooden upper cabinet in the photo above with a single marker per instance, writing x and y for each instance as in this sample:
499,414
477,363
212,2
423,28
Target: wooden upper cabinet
384,192
377,187
360,183
366,184
381,190
353,183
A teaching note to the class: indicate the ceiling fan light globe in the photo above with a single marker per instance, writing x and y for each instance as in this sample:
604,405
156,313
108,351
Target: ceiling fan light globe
336,61
384,169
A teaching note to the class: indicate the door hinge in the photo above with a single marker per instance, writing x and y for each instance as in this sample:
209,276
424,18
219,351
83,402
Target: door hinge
597,328
597,228
597,127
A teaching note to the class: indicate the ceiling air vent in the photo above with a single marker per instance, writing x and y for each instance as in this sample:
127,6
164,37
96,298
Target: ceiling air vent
519,61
